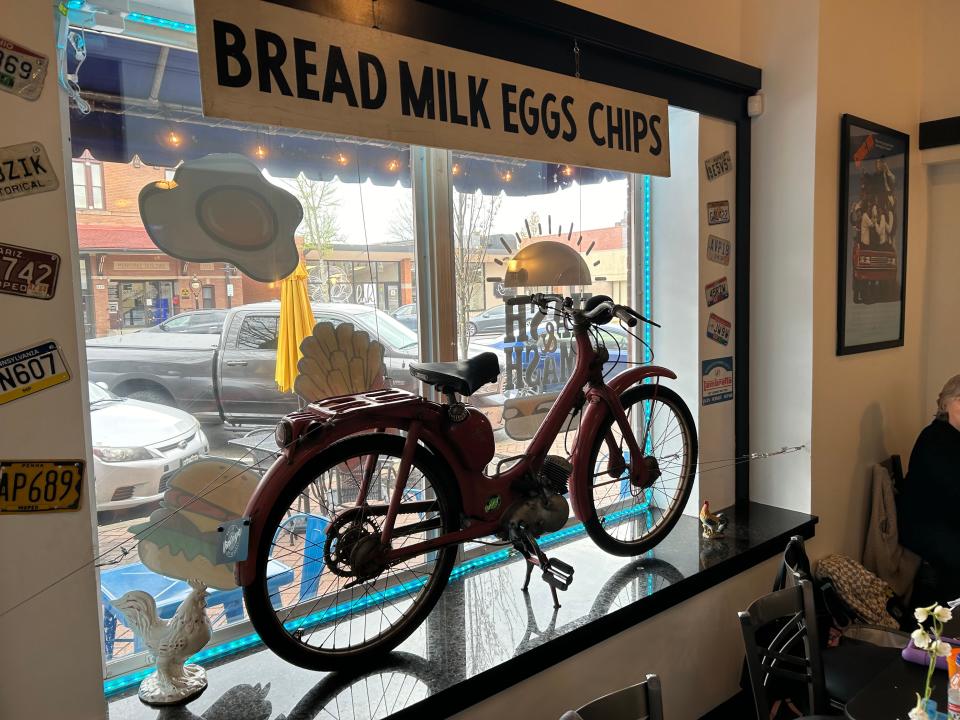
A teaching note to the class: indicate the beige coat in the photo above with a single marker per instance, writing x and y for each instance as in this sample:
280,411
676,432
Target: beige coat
883,554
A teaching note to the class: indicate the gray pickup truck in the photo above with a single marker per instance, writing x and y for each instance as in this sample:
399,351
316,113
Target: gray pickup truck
230,377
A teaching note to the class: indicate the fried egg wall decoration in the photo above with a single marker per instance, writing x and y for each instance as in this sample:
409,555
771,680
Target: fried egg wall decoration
221,207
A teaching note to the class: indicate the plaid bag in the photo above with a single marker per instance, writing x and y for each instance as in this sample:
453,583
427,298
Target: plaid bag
867,595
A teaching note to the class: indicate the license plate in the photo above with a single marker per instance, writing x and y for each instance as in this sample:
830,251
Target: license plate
718,329
718,212
25,169
718,250
31,370
22,71
717,291
718,165
40,486
27,272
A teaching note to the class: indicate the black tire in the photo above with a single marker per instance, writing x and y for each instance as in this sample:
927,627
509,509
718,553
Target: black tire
667,517
471,329
265,618
152,395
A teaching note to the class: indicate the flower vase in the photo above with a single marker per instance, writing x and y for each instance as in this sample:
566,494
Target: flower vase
927,712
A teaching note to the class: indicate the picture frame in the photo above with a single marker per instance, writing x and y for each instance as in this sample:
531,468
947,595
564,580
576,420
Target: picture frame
872,229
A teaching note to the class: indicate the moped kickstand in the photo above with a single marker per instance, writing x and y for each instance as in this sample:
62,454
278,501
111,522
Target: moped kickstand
556,573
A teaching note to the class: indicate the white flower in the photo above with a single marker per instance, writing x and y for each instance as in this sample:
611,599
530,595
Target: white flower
921,614
942,614
920,638
942,648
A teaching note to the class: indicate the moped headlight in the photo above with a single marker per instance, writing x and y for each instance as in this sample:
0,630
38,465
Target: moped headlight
284,434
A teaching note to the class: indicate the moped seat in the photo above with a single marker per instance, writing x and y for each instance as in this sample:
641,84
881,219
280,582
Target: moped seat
464,377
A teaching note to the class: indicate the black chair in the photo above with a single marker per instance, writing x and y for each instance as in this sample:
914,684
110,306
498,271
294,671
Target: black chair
851,665
637,702
783,650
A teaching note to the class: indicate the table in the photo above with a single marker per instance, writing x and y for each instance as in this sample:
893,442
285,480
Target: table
893,692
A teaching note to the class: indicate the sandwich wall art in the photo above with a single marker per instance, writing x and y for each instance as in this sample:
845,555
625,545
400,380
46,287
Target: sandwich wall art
874,164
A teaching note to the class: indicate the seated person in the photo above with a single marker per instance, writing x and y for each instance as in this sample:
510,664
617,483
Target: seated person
927,506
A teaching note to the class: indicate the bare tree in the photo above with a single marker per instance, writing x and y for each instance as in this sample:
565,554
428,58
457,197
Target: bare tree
473,218
402,229
320,228
531,225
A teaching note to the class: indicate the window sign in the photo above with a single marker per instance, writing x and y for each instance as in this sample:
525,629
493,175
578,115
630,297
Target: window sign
265,63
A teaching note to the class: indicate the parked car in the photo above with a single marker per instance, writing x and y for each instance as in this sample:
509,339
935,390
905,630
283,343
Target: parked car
137,446
491,320
193,321
406,314
231,378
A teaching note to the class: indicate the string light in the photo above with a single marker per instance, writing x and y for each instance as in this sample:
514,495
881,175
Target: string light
260,152
174,139
455,169
393,165
567,171
342,159
506,175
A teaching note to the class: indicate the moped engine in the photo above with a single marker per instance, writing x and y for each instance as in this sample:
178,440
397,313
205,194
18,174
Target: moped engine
545,509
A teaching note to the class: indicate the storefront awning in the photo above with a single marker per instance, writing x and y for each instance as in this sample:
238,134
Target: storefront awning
146,103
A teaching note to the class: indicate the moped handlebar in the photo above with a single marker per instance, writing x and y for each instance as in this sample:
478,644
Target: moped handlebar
625,314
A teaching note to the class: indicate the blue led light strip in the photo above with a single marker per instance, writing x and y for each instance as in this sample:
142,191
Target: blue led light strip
116,685
647,262
160,22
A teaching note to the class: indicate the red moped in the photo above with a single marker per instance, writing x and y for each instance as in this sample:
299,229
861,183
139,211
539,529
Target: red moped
373,493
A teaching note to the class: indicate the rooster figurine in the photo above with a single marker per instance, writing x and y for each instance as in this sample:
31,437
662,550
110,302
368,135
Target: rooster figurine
713,523
170,642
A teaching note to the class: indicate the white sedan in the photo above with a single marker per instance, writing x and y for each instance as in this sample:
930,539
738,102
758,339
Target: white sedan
137,446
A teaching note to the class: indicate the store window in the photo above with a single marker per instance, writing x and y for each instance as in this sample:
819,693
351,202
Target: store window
358,246
176,316
88,184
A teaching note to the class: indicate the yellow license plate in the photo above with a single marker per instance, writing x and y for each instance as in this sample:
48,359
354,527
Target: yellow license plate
40,486
31,370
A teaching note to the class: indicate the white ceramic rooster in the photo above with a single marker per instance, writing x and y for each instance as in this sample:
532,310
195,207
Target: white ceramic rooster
170,642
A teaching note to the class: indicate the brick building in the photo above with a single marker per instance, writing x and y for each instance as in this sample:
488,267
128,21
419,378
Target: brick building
127,282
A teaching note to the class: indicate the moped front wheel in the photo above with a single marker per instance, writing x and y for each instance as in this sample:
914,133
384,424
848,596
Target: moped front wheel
626,517
325,598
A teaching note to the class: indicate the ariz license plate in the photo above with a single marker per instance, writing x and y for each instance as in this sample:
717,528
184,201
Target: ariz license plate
27,272
31,370
40,486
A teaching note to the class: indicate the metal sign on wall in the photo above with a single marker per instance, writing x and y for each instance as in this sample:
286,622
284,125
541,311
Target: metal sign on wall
265,63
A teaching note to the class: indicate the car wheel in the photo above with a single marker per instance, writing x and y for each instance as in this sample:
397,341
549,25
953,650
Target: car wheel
471,329
152,395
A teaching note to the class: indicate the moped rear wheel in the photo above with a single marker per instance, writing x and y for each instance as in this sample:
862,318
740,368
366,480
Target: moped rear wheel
623,518
323,598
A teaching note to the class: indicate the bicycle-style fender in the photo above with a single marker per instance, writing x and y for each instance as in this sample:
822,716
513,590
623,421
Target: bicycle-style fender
465,447
594,413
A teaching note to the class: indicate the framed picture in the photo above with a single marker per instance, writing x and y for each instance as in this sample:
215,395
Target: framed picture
874,163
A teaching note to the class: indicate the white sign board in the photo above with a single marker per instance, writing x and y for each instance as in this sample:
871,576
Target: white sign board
265,63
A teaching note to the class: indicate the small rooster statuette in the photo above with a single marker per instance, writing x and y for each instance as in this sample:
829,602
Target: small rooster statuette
170,642
713,523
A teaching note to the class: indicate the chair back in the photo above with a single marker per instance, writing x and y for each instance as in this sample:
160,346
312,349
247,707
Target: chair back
781,641
642,701
894,466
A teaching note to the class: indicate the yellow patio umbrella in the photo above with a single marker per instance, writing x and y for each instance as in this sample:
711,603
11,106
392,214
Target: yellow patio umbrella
296,323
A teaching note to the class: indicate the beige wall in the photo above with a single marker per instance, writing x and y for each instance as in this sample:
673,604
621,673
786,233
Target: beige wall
712,25
865,406
941,59
50,652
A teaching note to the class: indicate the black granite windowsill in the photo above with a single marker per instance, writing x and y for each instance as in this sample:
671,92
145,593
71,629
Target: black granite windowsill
485,635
